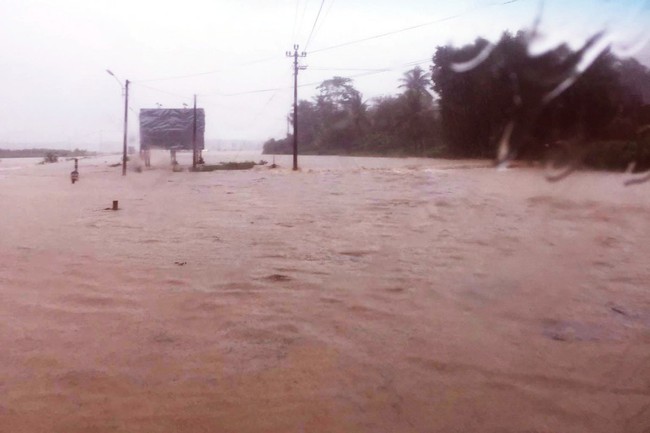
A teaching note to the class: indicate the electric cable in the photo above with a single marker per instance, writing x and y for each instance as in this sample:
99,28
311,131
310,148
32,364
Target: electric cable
313,27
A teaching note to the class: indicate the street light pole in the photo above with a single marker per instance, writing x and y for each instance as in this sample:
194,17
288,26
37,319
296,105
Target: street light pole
126,125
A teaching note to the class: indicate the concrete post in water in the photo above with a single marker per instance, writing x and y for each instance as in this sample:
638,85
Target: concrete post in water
115,205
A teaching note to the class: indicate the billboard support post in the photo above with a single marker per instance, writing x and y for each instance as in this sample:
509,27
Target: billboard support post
173,129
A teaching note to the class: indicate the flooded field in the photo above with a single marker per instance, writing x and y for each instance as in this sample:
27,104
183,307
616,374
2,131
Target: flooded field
356,295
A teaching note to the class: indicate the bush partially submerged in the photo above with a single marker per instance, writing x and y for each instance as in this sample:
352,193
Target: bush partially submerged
618,155
50,157
246,165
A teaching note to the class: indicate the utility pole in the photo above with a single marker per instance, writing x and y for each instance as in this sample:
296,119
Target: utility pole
194,136
296,68
126,125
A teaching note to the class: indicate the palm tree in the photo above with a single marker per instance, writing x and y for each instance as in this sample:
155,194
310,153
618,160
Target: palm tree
416,81
417,105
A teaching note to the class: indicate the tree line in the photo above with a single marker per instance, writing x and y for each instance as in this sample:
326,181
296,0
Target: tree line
474,98
42,152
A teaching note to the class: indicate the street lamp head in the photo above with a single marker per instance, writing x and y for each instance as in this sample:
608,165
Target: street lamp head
109,72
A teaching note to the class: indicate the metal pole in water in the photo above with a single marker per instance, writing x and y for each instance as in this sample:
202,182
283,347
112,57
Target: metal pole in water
194,137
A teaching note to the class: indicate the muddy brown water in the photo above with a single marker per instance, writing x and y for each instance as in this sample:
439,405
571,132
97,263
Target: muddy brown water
357,295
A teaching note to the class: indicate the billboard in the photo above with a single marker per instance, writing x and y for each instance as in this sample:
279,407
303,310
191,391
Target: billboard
171,128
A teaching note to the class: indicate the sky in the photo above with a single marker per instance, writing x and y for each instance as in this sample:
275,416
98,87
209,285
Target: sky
232,55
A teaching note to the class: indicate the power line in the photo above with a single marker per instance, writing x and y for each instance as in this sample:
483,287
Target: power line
295,21
365,72
418,62
177,77
406,29
215,71
139,84
327,13
261,110
357,41
375,72
313,27
246,92
302,18
348,69
383,35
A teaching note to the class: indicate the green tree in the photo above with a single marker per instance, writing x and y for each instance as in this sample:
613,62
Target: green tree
531,101
417,117
417,82
471,103
342,114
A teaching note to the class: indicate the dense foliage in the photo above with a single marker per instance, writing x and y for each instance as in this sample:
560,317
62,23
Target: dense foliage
339,121
478,96
541,101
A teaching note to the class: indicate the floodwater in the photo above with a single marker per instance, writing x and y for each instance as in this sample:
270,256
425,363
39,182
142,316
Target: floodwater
356,295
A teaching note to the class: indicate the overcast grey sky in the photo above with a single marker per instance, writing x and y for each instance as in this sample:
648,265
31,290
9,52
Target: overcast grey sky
55,53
